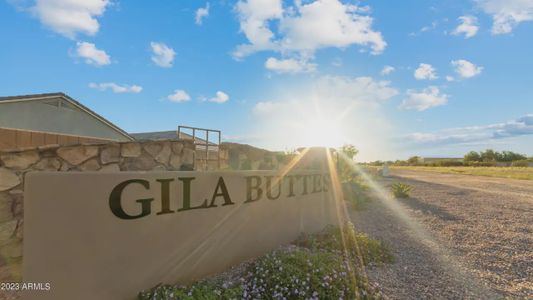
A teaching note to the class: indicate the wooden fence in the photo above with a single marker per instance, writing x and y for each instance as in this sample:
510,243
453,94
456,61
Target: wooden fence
12,139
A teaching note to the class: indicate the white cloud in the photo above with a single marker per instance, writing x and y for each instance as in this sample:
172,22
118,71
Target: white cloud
92,55
290,65
69,17
450,78
469,26
466,69
425,71
254,16
358,89
425,29
179,96
220,97
341,91
422,100
305,27
387,70
163,55
266,107
506,14
201,13
116,88
519,127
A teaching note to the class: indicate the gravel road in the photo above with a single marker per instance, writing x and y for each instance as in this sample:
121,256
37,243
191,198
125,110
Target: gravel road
456,237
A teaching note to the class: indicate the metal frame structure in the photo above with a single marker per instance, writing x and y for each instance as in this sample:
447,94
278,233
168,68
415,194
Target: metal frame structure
214,147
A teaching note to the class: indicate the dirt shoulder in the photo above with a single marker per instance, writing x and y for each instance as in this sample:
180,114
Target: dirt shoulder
458,236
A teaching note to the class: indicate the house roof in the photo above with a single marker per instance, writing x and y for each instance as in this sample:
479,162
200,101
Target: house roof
37,97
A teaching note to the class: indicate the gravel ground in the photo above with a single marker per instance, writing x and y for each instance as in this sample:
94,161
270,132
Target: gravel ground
457,237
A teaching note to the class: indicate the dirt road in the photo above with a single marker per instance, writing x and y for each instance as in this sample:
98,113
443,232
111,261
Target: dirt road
457,237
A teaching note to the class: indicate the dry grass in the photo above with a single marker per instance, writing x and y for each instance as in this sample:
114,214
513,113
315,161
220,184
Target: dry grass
503,172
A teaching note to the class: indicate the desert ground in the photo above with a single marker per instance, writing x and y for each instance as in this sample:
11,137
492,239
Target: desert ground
455,237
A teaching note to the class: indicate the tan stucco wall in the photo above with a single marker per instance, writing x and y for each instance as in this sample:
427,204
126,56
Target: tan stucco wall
76,243
156,157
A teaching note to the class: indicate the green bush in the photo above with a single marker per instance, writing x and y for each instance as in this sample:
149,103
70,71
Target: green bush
204,290
481,164
357,246
447,163
401,190
246,165
520,163
356,193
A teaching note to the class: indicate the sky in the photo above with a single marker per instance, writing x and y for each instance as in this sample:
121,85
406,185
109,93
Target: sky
393,78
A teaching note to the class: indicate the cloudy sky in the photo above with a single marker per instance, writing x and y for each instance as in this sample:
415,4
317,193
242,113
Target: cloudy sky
395,78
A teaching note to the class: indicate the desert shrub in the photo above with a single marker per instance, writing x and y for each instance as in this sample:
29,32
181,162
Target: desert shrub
448,163
246,164
520,163
356,193
205,290
357,246
482,164
401,190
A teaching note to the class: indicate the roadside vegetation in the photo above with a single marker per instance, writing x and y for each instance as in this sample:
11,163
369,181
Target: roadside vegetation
327,265
355,189
503,172
505,164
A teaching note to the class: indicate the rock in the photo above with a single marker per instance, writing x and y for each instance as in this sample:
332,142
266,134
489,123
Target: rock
164,154
48,164
188,156
5,207
20,160
17,205
153,148
12,249
177,147
77,155
7,229
110,154
48,150
159,168
65,166
175,162
19,232
90,165
131,150
8,179
142,163
111,168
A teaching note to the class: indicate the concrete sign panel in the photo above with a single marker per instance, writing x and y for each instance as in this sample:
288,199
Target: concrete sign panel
110,235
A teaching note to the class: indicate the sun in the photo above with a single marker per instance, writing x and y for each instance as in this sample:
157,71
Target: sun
320,132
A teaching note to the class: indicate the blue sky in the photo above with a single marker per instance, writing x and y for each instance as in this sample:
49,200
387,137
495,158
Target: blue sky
394,78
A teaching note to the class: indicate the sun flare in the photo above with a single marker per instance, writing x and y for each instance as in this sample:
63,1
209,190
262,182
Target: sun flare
322,133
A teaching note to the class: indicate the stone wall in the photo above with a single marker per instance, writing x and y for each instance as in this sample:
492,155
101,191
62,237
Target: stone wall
108,157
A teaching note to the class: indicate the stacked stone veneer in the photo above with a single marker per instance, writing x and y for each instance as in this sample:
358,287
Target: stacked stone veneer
109,157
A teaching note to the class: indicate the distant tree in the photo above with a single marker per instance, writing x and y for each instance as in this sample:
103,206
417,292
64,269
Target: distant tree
350,151
472,156
509,156
400,163
489,155
413,160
